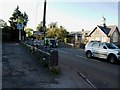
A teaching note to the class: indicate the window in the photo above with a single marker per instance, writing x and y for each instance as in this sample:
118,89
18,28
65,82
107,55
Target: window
103,39
96,45
111,46
97,38
115,36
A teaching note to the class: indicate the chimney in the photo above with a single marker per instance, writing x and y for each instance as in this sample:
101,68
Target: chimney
103,21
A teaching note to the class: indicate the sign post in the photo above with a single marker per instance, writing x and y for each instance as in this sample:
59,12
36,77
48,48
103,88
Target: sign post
20,27
19,35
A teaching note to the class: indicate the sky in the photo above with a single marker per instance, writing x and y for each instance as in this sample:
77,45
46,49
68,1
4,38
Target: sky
73,15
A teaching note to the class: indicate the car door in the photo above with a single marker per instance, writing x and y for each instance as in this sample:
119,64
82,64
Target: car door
95,49
103,51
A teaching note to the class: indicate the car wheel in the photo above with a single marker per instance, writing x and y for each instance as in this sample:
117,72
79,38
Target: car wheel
89,54
112,59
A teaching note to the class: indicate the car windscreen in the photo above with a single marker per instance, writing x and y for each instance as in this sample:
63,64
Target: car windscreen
52,41
111,46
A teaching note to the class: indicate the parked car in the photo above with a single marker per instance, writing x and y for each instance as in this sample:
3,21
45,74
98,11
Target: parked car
103,50
53,42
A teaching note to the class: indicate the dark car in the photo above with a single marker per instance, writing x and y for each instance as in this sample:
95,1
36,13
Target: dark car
53,43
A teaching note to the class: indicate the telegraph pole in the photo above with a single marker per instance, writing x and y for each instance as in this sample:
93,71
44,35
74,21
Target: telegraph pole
44,18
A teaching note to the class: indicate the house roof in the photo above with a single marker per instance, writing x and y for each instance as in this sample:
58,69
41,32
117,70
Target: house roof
80,32
73,34
108,30
113,28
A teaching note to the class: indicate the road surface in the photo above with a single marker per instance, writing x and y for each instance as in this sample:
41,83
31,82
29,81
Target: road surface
97,72
20,70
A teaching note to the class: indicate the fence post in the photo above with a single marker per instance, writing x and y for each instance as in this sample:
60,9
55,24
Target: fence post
53,58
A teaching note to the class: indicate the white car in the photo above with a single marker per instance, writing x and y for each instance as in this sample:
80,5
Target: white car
104,50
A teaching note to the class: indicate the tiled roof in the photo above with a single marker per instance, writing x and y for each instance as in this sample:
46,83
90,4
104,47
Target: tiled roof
113,28
108,30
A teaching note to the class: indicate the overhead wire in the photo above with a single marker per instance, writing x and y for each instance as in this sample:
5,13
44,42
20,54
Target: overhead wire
36,13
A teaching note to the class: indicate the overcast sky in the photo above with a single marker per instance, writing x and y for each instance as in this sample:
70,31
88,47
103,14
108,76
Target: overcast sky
74,15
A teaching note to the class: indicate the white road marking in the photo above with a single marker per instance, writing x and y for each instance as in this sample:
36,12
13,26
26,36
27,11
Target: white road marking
81,49
81,56
78,56
63,51
88,81
87,58
96,60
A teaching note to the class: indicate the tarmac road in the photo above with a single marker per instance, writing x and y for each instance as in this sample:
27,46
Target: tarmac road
100,73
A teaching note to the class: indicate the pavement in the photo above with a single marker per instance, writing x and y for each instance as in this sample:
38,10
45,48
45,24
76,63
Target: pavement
20,69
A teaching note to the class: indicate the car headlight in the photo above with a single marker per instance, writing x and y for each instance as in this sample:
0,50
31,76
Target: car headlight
118,53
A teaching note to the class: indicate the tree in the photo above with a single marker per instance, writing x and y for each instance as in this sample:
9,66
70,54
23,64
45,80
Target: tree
52,33
62,33
52,30
13,20
29,31
16,14
56,32
25,18
40,27
53,25
9,34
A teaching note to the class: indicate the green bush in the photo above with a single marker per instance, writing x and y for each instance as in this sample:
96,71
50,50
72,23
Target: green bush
9,34
55,70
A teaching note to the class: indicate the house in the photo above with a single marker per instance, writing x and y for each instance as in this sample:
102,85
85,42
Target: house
105,34
74,38
38,34
84,36
78,38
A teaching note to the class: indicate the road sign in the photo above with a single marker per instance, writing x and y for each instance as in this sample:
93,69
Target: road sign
19,26
19,20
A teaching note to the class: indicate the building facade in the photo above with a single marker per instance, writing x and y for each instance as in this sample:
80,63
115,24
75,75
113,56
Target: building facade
105,33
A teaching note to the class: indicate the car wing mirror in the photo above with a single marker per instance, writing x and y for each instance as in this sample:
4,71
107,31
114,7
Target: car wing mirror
104,47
